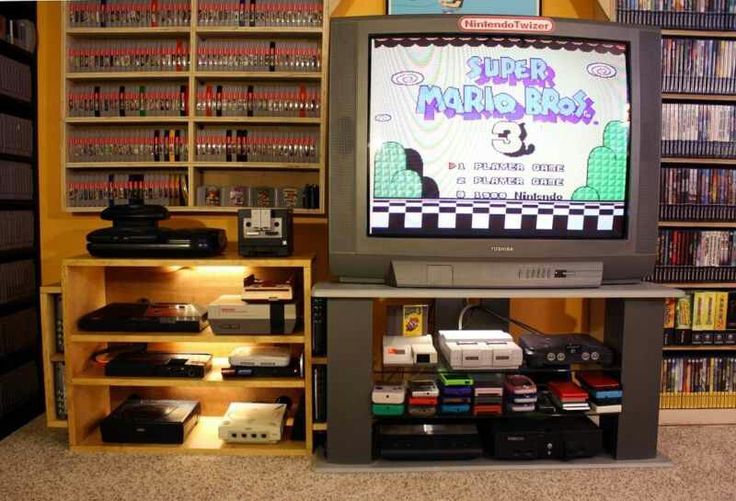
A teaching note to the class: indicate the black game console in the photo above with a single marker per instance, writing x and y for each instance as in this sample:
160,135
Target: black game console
543,438
145,317
158,364
135,233
564,349
429,441
150,421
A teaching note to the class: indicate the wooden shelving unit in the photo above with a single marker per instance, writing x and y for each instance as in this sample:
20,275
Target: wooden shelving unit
49,296
204,173
89,283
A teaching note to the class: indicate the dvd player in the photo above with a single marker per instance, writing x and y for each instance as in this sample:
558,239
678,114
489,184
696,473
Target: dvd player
159,364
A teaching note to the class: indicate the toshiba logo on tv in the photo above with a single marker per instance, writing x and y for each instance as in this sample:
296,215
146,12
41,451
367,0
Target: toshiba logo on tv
506,24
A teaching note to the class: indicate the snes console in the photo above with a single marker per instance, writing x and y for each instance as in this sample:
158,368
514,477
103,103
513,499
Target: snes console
250,422
477,349
409,350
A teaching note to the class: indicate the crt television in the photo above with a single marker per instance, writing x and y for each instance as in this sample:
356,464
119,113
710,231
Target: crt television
481,151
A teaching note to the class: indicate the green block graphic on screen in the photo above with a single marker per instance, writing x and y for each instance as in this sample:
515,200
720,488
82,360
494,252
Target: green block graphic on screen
391,178
607,166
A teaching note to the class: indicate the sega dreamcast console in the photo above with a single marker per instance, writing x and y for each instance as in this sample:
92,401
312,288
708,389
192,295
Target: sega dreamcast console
250,422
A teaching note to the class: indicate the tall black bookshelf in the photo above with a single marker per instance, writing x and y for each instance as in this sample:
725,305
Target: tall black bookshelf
21,380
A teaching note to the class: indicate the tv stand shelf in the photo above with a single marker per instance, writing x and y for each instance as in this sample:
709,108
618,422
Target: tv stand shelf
629,321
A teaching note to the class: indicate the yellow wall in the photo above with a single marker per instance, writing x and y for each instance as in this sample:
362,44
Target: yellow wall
63,234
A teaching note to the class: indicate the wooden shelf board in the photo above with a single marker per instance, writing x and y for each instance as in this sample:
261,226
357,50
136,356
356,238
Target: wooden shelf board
51,288
126,165
319,426
696,160
202,440
258,30
97,210
699,33
699,97
701,347
700,285
309,216
668,417
698,224
259,120
128,75
229,258
206,336
135,31
319,360
57,357
260,75
57,423
125,120
94,376
257,165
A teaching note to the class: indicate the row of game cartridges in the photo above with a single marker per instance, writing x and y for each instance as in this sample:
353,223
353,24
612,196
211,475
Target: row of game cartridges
696,15
110,100
128,145
691,212
299,100
128,55
707,130
259,55
698,65
16,180
306,197
17,280
16,135
128,13
103,189
17,229
257,145
698,186
286,13
694,247
684,273
15,79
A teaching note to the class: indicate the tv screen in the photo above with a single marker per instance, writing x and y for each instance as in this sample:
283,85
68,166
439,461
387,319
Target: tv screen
479,136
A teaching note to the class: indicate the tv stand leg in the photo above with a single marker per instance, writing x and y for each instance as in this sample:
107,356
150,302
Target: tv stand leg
634,330
349,380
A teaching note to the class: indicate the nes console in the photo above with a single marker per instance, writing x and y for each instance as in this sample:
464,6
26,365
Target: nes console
228,314
250,422
564,349
408,350
480,350
265,232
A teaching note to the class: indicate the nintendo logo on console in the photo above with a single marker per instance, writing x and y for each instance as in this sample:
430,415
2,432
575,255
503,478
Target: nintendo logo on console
501,248
506,24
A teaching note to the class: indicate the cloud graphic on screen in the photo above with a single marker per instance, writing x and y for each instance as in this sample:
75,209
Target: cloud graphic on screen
601,70
407,77
382,117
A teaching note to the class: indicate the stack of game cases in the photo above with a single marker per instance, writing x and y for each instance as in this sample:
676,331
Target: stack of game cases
520,394
456,394
567,396
488,394
423,397
388,399
605,392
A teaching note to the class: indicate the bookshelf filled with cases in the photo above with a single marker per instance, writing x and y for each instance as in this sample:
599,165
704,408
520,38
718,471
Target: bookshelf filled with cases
680,214
225,108
92,395
52,345
21,392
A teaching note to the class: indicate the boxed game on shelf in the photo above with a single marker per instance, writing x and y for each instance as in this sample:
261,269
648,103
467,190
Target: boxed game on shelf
701,318
698,65
698,130
687,255
128,13
259,100
257,144
692,14
306,197
697,194
102,189
127,144
259,55
289,14
114,55
16,181
136,99
698,382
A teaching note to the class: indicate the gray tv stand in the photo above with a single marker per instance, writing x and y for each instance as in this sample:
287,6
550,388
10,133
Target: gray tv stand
632,325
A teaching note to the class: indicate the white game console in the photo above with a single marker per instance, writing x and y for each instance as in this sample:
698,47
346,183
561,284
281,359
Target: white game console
260,356
388,394
249,422
480,350
408,350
